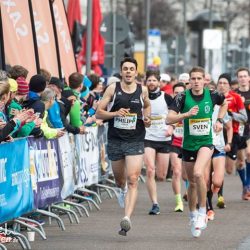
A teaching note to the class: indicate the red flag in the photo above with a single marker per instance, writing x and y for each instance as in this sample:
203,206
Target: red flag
97,52
73,13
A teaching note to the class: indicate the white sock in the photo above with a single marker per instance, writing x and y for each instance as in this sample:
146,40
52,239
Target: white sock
193,214
202,210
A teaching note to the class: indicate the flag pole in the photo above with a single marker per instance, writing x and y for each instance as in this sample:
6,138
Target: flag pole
89,37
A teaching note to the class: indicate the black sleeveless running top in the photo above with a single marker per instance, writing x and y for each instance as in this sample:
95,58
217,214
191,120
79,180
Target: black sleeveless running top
129,128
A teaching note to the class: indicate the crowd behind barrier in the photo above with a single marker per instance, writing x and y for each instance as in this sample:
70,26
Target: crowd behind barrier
35,172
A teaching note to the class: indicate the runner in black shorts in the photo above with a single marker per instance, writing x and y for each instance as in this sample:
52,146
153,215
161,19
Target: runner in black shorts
158,137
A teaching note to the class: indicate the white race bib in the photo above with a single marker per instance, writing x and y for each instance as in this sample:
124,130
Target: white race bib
178,131
158,122
126,122
241,129
199,127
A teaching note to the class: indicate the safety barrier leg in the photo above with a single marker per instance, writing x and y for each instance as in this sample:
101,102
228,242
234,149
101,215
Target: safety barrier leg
78,206
52,215
98,198
23,241
110,181
3,247
83,198
33,221
32,228
68,211
108,189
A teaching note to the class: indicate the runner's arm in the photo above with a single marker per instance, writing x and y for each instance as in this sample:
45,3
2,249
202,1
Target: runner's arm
174,117
222,110
101,112
240,116
147,106
229,130
176,107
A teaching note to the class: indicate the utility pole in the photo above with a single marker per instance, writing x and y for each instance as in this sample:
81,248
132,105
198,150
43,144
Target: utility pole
148,3
210,27
114,36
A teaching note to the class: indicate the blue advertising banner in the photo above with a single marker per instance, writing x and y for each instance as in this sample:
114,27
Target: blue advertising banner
44,170
16,197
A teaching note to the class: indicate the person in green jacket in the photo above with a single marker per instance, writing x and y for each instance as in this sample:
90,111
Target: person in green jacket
76,84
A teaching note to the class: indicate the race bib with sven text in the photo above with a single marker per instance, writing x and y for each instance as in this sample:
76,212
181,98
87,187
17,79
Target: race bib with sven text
199,127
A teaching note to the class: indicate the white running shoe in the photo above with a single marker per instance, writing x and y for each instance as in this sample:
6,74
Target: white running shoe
125,224
201,222
121,197
195,232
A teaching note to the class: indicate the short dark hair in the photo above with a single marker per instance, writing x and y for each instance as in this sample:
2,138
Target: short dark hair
95,79
75,80
212,83
17,71
179,84
242,69
197,69
155,73
128,59
46,74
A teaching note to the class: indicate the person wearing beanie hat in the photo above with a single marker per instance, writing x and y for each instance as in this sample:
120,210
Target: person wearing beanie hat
227,76
37,83
238,112
36,87
22,86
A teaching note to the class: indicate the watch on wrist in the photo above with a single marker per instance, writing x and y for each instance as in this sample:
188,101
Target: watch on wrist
220,120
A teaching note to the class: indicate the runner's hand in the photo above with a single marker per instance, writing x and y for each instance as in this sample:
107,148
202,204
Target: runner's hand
218,126
122,112
227,147
147,121
169,131
193,111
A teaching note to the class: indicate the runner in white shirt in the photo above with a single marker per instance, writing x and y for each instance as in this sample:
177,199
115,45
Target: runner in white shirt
158,137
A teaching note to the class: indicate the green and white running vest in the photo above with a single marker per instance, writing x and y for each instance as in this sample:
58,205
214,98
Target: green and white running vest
198,128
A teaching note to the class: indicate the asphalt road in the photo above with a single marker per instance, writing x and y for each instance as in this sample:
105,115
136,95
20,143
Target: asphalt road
169,230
